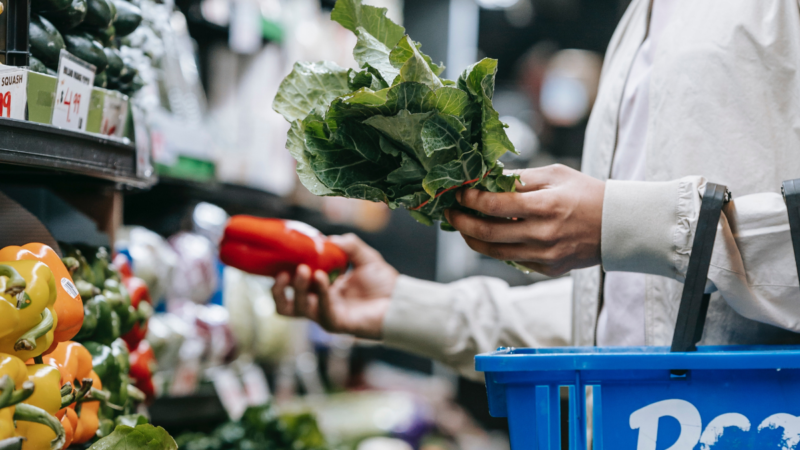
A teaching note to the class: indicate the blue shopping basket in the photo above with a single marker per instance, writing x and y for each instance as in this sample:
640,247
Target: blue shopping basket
657,398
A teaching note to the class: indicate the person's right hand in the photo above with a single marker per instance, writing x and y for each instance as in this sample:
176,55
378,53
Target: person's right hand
357,301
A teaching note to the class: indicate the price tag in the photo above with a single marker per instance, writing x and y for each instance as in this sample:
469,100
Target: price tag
13,92
230,392
115,114
144,167
255,385
73,91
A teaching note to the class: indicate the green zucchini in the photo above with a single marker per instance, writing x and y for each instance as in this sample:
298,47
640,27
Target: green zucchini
36,66
49,5
115,64
45,41
69,18
86,48
128,18
51,72
101,79
98,14
105,36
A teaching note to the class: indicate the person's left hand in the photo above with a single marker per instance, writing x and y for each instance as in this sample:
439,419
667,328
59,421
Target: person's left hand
551,224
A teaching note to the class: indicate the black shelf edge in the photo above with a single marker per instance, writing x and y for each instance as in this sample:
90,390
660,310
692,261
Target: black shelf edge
40,146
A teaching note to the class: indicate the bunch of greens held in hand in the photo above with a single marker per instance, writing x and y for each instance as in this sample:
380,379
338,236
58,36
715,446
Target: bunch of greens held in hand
393,131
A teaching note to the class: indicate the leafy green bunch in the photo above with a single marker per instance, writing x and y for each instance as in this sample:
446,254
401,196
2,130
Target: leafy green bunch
393,131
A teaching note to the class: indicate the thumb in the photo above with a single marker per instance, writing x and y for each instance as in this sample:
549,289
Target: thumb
357,251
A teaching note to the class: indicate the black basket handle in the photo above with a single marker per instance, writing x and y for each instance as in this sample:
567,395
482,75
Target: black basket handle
791,195
694,301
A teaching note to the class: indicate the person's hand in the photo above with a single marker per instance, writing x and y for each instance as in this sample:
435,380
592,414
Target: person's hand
357,301
551,224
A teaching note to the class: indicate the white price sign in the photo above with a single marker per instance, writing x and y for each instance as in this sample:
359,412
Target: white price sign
13,92
115,114
73,92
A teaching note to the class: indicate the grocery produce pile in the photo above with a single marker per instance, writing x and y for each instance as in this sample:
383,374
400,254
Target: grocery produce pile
67,377
393,131
92,30
261,428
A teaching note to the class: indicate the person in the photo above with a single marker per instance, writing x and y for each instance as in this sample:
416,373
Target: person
690,92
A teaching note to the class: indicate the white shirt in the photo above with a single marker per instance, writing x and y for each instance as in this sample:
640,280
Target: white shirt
621,322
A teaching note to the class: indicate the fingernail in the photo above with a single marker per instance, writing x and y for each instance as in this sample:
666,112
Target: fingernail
459,193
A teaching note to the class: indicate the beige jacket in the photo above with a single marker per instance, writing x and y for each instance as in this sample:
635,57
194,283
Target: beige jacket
724,107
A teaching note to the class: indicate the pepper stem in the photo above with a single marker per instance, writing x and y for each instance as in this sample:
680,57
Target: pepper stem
71,263
28,340
85,388
20,395
136,394
67,395
14,443
16,283
7,385
30,413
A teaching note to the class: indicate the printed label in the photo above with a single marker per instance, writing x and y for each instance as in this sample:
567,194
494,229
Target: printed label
73,91
66,283
13,92
726,431
115,114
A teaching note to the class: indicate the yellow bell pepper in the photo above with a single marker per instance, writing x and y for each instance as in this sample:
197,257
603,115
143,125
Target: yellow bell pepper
27,299
44,432
15,369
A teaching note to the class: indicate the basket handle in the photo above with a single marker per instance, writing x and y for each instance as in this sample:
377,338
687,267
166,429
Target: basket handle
694,300
791,195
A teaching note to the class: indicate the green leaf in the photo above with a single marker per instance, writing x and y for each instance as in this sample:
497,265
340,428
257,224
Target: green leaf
478,80
369,51
389,148
409,172
365,79
296,144
143,437
443,132
310,86
454,173
404,128
365,192
131,420
335,165
404,51
448,100
359,138
351,14
421,217
417,69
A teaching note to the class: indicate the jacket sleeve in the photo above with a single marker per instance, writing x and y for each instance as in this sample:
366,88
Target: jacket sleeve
451,323
649,227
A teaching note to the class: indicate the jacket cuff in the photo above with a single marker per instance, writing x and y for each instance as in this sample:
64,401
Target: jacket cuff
415,321
647,226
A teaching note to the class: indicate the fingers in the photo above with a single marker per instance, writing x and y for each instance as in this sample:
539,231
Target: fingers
491,229
326,310
528,253
283,305
356,250
304,304
542,177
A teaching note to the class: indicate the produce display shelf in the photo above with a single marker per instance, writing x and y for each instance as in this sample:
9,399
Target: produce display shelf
39,146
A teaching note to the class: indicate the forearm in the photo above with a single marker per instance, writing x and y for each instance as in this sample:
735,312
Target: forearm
453,322
649,228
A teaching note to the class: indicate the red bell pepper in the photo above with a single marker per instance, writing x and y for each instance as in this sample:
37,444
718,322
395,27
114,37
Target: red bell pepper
140,300
143,364
271,246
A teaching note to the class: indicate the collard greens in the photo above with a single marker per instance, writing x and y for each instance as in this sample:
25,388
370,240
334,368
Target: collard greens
393,131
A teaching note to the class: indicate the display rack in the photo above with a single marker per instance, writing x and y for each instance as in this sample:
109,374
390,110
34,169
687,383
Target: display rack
57,151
